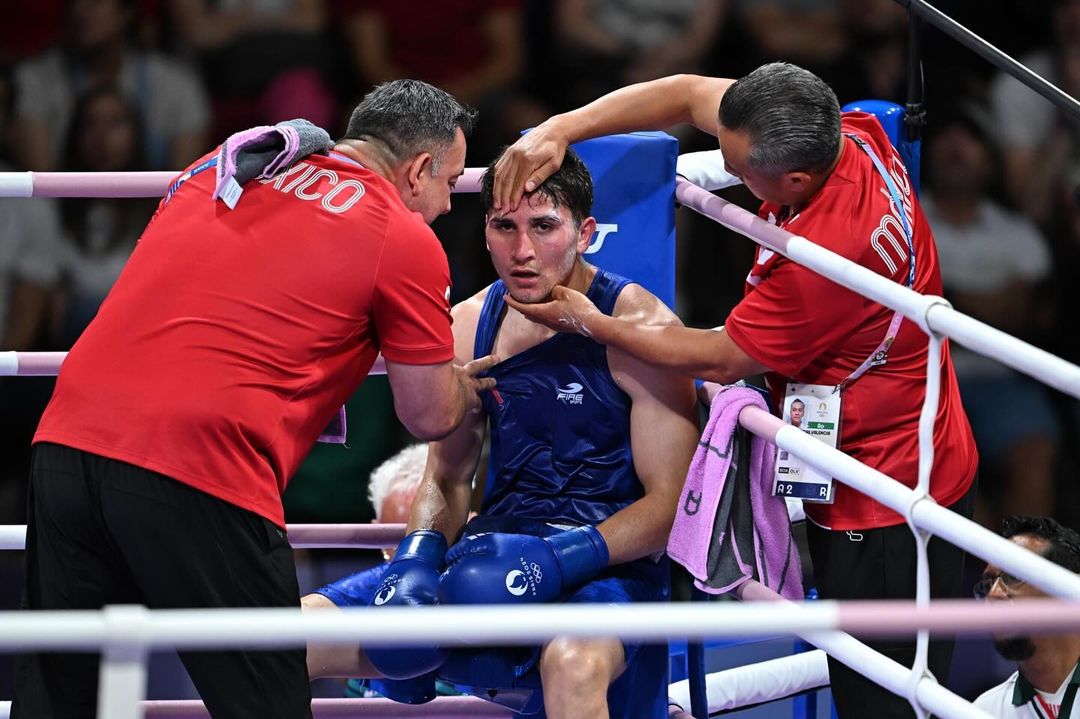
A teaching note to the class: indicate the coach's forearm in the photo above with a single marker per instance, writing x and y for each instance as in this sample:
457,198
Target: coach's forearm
652,105
690,351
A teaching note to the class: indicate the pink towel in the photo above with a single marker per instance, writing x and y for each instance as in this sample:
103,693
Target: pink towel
729,528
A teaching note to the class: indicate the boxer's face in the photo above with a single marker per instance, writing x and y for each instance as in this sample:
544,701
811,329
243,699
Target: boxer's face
535,247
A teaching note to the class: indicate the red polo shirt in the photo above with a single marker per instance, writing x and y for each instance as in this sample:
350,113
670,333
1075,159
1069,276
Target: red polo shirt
808,329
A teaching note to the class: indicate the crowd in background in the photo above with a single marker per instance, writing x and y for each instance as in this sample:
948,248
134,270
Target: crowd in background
153,84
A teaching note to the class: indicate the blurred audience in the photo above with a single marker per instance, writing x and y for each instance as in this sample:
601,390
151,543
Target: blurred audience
99,233
264,60
994,266
98,51
30,259
29,249
874,65
473,49
1041,144
605,44
810,33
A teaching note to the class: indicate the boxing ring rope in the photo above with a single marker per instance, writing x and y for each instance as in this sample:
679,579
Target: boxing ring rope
449,708
301,536
931,314
127,632
129,184
925,11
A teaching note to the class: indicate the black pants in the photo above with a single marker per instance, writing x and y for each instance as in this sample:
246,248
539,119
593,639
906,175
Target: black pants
881,564
105,532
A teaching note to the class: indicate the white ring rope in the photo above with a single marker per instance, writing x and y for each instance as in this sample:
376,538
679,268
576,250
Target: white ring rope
507,625
442,707
301,536
126,632
928,312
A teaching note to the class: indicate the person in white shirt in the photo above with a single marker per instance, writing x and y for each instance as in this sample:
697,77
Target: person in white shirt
1048,674
995,265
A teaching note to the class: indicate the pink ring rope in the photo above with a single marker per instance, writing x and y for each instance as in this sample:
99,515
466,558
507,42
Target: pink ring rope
128,184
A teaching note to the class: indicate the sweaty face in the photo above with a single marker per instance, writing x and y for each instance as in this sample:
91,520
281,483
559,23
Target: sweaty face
535,247
433,198
735,147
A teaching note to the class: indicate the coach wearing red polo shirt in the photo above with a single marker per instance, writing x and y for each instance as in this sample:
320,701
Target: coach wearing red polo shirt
227,345
835,179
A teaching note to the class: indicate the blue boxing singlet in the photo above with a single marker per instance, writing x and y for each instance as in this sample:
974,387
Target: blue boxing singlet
560,425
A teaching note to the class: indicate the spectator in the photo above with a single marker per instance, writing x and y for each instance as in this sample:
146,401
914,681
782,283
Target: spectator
472,48
224,350
782,134
994,263
609,43
100,233
1041,145
808,32
29,252
98,52
1048,665
265,60
874,66
30,260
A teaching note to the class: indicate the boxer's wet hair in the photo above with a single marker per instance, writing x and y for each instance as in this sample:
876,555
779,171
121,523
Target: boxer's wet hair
571,187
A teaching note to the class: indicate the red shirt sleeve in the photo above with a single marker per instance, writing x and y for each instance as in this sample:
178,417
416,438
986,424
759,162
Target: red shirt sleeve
412,297
792,317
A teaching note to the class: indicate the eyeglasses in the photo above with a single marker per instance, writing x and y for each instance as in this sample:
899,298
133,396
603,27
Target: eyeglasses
984,586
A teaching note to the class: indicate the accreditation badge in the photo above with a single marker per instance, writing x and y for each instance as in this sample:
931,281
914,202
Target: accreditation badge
815,409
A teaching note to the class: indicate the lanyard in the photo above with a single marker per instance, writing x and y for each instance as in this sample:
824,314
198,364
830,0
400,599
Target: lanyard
880,355
345,158
1040,706
1037,703
212,162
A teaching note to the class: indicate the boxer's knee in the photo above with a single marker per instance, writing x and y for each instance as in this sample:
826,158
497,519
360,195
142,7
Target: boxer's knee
581,664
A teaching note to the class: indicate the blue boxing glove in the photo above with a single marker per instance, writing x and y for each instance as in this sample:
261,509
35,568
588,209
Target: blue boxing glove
411,579
419,690
519,568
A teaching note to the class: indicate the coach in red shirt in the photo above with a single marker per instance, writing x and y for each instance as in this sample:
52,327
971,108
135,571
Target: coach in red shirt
227,345
782,134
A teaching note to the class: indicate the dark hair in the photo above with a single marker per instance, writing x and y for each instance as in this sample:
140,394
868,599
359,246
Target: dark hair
131,215
76,126
1063,544
791,116
410,117
571,187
